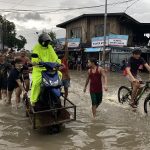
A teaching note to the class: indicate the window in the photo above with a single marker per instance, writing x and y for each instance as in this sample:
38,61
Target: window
75,33
99,29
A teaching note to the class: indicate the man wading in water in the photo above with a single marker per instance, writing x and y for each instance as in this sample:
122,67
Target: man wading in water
95,75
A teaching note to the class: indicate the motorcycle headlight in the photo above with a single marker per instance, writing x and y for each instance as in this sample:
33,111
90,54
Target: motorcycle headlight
54,83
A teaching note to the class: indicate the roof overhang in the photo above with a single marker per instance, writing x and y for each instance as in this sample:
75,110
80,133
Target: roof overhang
119,15
122,17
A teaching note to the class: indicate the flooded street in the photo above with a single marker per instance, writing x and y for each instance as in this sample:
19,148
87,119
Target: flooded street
116,126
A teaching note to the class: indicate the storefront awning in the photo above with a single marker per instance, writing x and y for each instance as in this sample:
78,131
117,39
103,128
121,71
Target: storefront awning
93,49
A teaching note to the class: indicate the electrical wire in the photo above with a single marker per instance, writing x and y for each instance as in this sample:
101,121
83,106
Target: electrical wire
17,4
131,5
40,6
63,9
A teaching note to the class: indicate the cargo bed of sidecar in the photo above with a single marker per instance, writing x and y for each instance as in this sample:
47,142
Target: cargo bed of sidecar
46,118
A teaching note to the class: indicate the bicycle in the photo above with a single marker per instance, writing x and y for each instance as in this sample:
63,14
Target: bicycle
124,94
147,103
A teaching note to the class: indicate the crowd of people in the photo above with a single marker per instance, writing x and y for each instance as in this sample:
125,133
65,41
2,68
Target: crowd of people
14,69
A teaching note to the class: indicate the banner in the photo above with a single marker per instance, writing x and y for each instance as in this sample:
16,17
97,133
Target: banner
99,41
118,40
111,40
73,43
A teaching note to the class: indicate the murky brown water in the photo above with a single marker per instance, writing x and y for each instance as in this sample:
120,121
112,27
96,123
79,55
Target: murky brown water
116,127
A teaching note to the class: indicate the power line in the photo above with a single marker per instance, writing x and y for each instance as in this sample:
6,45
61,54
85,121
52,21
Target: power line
17,4
26,4
64,9
131,5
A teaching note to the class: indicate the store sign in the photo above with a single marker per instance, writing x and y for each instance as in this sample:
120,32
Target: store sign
99,41
73,43
111,40
118,40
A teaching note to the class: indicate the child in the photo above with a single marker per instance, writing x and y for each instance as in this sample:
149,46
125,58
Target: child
95,74
15,81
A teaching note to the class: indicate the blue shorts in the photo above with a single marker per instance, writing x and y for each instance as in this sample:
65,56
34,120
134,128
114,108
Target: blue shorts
66,83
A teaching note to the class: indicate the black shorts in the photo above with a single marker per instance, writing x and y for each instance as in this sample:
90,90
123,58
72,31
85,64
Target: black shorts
3,83
12,85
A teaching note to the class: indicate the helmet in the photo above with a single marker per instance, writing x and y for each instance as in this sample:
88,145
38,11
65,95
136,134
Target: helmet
44,39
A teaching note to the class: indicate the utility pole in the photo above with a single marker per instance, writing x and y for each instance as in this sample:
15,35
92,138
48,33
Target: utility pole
3,32
105,29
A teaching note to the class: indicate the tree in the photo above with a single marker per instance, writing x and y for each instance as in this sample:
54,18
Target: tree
20,42
9,34
53,37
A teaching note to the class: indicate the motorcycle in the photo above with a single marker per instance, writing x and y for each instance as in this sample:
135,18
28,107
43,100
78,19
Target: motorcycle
49,101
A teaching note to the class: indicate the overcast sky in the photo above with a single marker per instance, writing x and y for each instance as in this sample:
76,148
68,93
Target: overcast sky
28,23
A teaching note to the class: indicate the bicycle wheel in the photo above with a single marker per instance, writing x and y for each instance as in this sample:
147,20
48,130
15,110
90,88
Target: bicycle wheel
147,104
124,94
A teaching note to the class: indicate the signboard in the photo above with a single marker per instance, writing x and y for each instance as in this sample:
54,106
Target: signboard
99,41
73,43
111,40
118,40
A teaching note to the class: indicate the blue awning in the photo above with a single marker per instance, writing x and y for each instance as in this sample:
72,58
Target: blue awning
93,49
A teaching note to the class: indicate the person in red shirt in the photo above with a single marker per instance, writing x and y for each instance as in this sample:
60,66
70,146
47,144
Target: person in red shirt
65,75
95,75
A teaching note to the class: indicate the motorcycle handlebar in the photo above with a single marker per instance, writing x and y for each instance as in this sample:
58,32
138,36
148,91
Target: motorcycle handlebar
41,64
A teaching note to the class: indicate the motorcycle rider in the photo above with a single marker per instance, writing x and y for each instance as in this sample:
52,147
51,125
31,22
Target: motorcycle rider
45,53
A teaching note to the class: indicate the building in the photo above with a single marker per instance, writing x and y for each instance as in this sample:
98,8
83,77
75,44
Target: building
1,38
88,26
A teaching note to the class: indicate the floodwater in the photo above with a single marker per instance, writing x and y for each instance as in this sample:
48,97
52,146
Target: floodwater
116,127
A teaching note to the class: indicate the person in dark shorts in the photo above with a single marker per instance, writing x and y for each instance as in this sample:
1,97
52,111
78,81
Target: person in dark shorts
95,75
131,72
15,81
4,69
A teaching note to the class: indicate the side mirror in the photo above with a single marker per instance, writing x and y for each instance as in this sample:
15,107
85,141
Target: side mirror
33,55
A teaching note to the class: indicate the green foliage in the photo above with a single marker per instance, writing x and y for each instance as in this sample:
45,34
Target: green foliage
52,35
9,35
